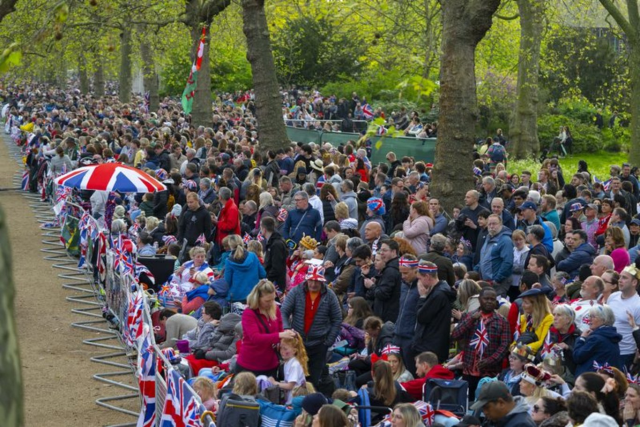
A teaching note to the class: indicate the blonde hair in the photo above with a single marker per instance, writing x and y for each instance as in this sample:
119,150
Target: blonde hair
467,289
266,199
237,246
151,223
255,247
195,250
204,387
342,211
264,287
410,414
301,352
245,383
201,277
401,367
540,309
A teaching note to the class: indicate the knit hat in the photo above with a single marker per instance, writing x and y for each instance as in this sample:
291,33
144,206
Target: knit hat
190,185
176,210
313,402
161,174
599,420
376,206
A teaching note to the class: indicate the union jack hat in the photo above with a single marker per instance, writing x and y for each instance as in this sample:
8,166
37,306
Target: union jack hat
191,185
575,207
315,272
426,269
411,263
162,174
169,239
376,205
391,349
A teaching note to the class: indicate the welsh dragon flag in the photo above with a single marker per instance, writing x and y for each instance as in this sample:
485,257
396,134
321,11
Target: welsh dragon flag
190,89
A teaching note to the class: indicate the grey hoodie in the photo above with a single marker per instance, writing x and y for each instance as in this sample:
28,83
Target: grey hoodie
201,335
223,343
350,198
518,417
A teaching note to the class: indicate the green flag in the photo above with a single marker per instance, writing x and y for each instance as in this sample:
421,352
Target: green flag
190,89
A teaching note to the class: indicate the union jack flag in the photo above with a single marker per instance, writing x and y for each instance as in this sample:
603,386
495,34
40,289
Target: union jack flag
102,252
547,346
134,327
168,240
247,238
143,269
516,333
480,339
181,406
25,181
201,240
147,382
605,184
426,412
260,237
367,111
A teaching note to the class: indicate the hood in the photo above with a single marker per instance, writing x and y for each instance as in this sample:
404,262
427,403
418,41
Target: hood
521,408
335,179
348,223
246,263
449,292
609,332
587,248
387,331
506,231
441,372
228,322
349,195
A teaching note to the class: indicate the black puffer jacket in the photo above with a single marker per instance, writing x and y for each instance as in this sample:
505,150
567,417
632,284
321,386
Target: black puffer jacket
386,292
433,326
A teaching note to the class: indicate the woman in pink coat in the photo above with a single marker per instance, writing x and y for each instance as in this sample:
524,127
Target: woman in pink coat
262,331
417,227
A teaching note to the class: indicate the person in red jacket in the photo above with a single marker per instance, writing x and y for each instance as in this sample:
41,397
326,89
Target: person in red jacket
427,367
228,221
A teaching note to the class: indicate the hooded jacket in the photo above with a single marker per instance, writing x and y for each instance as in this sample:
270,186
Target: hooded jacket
275,260
386,292
601,346
223,342
200,337
415,387
409,297
500,257
517,417
433,325
583,254
350,198
194,223
242,275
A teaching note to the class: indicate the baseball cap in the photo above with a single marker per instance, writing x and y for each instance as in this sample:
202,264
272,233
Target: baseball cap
592,206
527,205
490,392
575,207
635,221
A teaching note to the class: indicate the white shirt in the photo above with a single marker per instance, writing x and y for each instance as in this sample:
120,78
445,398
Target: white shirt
293,372
316,204
620,306
582,307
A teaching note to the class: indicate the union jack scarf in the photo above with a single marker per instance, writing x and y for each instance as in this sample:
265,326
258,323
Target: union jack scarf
480,339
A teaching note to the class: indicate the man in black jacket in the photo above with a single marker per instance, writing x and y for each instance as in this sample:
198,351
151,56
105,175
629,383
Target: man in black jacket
433,322
162,157
386,289
194,221
275,253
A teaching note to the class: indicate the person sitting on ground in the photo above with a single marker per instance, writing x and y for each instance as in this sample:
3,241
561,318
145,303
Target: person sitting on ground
427,367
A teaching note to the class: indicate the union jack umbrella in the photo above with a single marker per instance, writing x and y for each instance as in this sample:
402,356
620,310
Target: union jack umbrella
111,177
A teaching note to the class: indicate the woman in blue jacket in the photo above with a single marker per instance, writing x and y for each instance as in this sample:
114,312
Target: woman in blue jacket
242,270
600,343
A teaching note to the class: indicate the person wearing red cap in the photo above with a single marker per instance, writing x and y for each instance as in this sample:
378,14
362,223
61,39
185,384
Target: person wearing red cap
313,310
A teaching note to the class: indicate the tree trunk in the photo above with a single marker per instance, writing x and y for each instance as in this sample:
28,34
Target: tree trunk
149,75
201,114
11,403
272,133
523,133
634,72
98,79
84,77
125,75
464,24
62,75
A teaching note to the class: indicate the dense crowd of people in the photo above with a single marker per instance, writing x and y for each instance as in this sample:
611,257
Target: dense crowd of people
324,281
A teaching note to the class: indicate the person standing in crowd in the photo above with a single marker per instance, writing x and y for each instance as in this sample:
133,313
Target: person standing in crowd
386,289
625,304
312,310
496,256
228,221
433,321
487,337
194,221
275,253
468,219
302,221
409,296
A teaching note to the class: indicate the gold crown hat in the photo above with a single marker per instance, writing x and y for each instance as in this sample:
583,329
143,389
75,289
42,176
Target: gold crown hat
308,243
524,351
632,270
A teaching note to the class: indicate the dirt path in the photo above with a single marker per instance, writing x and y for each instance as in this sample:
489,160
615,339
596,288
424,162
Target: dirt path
57,373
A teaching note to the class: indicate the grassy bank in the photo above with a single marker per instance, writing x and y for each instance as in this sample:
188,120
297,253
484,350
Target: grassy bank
598,163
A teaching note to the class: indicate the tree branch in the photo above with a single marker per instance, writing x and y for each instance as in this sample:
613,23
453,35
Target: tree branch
7,7
619,18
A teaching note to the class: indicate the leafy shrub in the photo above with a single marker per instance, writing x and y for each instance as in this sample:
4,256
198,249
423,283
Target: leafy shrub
586,137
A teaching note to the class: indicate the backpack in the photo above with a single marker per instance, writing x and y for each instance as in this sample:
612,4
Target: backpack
276,415
449,395
496,153
238,411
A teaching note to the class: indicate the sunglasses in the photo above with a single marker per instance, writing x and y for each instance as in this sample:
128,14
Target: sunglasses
536,409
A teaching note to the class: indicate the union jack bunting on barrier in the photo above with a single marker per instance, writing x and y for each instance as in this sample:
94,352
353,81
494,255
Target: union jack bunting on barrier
147,381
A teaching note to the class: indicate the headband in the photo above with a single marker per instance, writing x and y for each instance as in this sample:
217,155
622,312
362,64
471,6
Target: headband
411,263
426,269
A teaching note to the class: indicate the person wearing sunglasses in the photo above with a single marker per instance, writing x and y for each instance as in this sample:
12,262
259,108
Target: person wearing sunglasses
552,409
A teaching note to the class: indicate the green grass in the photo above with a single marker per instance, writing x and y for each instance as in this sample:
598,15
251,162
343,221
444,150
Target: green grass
598,164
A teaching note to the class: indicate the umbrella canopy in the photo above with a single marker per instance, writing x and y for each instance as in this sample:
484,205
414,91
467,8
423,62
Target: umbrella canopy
111,177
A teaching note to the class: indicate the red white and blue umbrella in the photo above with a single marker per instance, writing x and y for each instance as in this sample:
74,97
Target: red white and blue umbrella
111,177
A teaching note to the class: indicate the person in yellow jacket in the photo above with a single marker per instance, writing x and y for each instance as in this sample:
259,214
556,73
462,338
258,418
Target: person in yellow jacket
536,319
